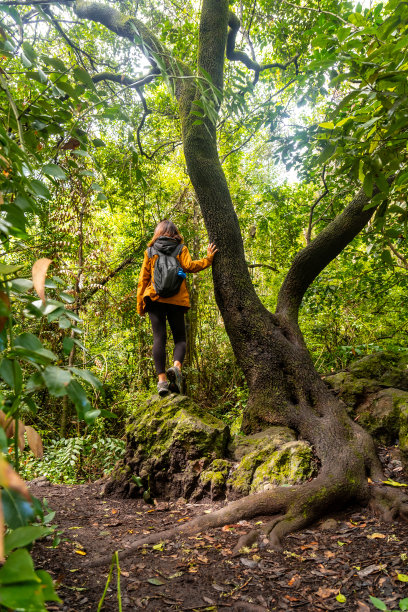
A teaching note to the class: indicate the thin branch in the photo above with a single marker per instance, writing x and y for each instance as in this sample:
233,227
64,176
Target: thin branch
73,46
309,8
313,206
3,85
238,148
240,56
259,265
397,254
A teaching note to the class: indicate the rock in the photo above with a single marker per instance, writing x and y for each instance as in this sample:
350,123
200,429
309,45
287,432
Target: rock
381,412
214,478
169,443
375,390
267,459
329,525
242,445
291,464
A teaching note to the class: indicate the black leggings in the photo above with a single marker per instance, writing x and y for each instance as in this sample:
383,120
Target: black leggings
158,312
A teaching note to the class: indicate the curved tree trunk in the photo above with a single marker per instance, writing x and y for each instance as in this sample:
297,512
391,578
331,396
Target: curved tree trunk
284,385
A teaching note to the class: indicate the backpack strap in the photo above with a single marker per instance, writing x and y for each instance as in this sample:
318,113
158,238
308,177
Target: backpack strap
178,250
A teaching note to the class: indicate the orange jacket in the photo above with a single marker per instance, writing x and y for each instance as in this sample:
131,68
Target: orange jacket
145,287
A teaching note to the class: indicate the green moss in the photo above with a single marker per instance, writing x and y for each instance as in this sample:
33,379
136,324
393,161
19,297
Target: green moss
291,464
216,474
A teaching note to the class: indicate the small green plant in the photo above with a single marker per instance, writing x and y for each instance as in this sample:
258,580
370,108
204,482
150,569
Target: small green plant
380,605
74,460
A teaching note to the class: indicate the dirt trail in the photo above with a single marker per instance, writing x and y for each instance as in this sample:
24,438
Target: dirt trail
353,554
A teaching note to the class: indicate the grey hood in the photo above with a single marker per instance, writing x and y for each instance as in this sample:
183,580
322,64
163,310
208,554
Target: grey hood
166,245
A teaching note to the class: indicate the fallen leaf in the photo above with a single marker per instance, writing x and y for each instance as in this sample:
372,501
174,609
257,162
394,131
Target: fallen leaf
402,577
4,298
376,536
329,554
324,593
155,581
34,442
80,552
39,272
341,598
393,483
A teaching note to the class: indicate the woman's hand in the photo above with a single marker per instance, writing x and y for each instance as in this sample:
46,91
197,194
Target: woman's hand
211,250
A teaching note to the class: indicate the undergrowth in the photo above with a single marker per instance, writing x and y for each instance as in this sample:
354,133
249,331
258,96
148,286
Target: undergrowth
74,460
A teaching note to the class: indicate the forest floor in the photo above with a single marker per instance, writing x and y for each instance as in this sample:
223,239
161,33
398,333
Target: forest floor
352,554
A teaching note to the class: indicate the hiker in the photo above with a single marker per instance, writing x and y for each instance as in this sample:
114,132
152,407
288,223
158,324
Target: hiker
162,293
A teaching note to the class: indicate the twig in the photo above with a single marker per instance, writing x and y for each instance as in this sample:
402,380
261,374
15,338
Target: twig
15,111
312,208
309,8
240,56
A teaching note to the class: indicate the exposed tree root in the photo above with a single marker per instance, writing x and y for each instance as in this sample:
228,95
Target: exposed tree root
294,508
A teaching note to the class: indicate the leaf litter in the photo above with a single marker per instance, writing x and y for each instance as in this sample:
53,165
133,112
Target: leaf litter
199,572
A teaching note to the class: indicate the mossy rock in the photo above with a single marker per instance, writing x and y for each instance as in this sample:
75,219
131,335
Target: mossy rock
214,478
169,443
251,452
242,445
380,414
389,369
290,465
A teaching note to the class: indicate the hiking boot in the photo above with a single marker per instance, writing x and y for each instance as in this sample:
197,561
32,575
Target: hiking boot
163,388
175,379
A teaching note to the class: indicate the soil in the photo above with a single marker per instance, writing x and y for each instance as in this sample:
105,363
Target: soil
352,554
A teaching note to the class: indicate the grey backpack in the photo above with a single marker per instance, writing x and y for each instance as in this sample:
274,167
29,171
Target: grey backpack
168,274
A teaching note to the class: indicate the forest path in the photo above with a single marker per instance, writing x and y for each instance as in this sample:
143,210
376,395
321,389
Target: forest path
353,554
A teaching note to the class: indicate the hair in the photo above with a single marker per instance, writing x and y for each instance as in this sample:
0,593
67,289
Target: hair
166,228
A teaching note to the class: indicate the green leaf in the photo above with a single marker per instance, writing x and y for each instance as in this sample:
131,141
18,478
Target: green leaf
82,76
56,380
402,577
357,19
327,125
29,341
368,185
22,536
19,567
67,344
403,604
91,415
88,377
155,581
47,585
39,189
11,373
21,285
3,441
17,511
78,395
6,269
377,603
54,171
97,142
27,596
341,598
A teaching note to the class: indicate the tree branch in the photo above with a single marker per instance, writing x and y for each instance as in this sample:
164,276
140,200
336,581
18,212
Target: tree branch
309,262
240,56
315,203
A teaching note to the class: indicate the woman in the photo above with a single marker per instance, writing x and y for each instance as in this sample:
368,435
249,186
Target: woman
168,241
